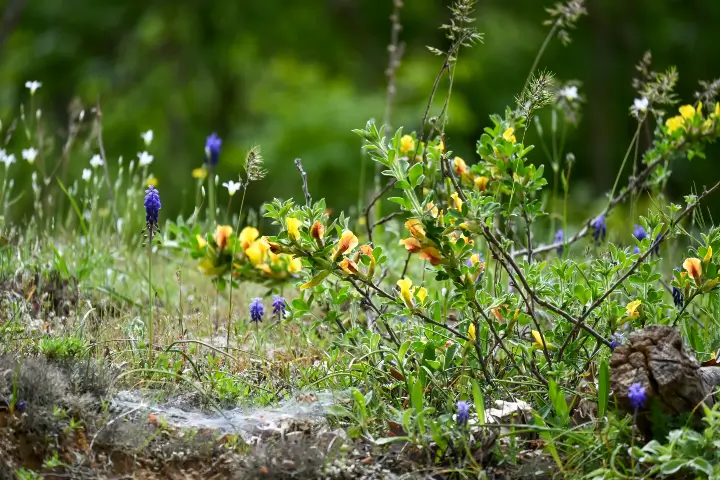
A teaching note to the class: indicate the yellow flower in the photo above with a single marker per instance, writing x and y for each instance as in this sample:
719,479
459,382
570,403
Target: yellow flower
693,267
708,256
411,244
716,113
318,230
247,236
407,144
293,228
474,259
421,294
457,200
674,123
257,251
460,166
406,291
698,110
441,145
471,332
687,112
199,173
348,266
481,183
348,241
202,243
151,181
294,265
221,235
508,135
539,340
416,228
430,207
632,309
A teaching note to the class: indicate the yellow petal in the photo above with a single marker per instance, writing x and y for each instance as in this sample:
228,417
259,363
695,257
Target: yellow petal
407,144
674,123
708,256
687,111
471,332
416,228
405,285
293,228
508,135
247,236
538,339
421,294
632,308
457,201
202,243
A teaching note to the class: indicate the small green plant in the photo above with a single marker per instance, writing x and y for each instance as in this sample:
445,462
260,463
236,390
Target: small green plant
59,348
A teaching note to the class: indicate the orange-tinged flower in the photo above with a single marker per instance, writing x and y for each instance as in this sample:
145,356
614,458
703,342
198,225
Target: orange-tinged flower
674,123
693,267
366,250
460,166
407,144
496,313
317,230
687,111
265,268
632,309
432,254
457,200
348,266
274,247
247,236
411,244
221,235
406,291
348,241
416,228
202,243
508,135
481,183
430,207
293,228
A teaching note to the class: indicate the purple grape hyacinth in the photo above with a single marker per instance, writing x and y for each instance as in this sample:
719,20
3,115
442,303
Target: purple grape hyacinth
559,237
462,413
256,309
637,396
152,209
279,306
599,229
616,340
639,233
212,149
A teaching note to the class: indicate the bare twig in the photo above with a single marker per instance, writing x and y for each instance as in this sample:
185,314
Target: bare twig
371,226
308,198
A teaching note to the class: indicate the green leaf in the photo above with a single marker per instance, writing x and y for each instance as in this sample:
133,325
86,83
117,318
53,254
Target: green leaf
75,207
417,396
559,402
702,465
414,173
386,440
403,184
479,401
603,388
672,466
549,441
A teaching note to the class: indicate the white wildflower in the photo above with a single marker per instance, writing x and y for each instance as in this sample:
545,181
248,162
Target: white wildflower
570,93
6,159
96,161
232,187
145,159
641,104
147,137
29,154
33,86
87,173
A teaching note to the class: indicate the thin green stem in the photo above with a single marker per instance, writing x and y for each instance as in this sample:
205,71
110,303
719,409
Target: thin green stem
150,300
211,195
237,232
540,54
627,155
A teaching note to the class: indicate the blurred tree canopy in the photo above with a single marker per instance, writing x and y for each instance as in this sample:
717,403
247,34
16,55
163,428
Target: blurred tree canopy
296,77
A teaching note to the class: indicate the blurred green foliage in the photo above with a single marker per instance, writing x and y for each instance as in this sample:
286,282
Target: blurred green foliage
296,77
